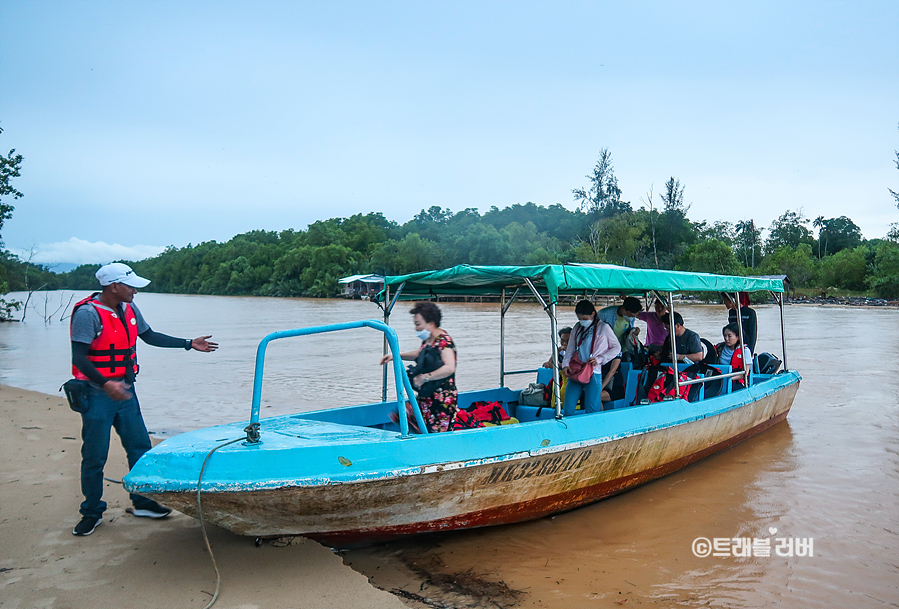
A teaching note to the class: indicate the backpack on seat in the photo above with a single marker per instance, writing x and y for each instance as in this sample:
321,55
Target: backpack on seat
712,388
634,351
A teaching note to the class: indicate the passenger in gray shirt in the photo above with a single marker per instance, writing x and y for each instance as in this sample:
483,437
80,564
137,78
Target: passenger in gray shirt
689,347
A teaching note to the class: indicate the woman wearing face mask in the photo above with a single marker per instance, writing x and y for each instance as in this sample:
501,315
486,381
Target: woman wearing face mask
434,373
593,342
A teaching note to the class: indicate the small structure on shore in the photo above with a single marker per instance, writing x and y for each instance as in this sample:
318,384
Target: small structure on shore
789,288
361,286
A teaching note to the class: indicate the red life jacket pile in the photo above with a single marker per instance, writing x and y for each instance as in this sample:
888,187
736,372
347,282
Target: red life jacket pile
656,384
480,413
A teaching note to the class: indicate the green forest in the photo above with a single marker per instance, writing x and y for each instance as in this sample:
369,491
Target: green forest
829,254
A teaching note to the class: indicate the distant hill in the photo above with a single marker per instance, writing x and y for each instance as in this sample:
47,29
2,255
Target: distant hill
62,267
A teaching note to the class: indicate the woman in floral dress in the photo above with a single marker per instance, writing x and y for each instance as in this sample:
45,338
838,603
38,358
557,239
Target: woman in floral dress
438,397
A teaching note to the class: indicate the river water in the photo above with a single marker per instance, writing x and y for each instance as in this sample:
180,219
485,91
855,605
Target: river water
830,473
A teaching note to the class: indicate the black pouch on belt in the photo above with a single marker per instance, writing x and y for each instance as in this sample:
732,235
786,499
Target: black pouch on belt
76,391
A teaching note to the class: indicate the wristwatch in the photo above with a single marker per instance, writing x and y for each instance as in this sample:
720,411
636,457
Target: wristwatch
188,344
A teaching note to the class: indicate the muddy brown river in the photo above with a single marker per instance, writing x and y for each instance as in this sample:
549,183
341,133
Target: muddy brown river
827,479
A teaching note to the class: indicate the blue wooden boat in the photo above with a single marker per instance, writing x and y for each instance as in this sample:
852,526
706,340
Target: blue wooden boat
349,475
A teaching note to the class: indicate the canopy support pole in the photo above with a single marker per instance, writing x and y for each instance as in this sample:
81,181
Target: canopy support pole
387,309
384,347
740,343
557,379
502,338
503,307
553,326
783,336
673,336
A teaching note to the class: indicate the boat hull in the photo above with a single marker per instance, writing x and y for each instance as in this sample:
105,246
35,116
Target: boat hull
468,494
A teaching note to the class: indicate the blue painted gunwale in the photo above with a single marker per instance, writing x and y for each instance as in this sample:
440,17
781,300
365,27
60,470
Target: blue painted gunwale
306,450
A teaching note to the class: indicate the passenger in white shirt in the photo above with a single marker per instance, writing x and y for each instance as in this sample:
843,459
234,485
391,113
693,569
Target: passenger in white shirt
593,344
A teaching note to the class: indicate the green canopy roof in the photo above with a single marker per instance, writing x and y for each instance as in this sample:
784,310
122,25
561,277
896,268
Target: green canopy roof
573,279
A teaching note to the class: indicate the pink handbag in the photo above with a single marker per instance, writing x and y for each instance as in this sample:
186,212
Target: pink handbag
578,370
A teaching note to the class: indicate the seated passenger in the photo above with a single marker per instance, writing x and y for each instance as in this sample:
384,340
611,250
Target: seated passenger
564,336
593,345
729,353
621,317
612,382
689,347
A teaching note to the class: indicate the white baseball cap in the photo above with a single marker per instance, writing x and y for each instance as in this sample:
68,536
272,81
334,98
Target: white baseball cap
120,273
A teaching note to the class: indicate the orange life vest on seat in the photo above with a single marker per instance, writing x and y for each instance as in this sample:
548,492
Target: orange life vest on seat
115,349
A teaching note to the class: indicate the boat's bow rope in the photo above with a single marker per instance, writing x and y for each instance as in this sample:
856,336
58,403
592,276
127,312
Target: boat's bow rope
252,436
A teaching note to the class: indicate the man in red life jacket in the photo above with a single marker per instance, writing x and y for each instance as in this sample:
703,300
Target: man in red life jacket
104,329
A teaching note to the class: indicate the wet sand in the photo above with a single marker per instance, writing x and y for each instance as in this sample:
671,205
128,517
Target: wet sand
128,561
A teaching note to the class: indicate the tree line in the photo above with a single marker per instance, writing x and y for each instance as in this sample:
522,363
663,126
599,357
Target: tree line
605,228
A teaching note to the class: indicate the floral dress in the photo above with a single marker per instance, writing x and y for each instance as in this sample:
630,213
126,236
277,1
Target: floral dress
439,410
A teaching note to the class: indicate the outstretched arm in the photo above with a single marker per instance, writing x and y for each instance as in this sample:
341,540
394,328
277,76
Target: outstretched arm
158,339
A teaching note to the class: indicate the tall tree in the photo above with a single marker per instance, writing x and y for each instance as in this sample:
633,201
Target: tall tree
652,224
673,197
747,242
788,230
9,169
675,231
722,230
615,239
893,192
710,256
836,234
603,198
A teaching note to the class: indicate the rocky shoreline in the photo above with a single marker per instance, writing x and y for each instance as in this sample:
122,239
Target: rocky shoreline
850,301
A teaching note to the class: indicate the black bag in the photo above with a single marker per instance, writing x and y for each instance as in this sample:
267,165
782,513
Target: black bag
712,388
767,363
711,352
428,360
76,394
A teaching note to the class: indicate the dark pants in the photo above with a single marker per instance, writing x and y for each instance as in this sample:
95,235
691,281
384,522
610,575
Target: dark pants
102,414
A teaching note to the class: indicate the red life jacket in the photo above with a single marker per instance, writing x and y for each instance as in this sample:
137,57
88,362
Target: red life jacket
115,349
656,384
736,362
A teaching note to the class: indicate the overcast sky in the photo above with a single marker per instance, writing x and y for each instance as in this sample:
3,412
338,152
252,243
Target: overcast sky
147,124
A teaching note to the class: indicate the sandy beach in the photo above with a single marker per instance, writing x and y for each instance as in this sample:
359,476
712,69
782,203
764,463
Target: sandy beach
128,561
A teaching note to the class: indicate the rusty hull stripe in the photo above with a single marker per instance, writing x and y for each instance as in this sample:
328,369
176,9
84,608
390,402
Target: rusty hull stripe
537,508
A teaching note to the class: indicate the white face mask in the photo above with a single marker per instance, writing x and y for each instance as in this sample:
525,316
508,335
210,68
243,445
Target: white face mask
585,322
423,334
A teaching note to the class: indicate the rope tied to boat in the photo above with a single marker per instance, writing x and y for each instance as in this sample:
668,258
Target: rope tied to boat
250,429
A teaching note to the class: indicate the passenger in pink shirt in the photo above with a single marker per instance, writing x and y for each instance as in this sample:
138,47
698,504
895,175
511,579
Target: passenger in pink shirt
655,330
